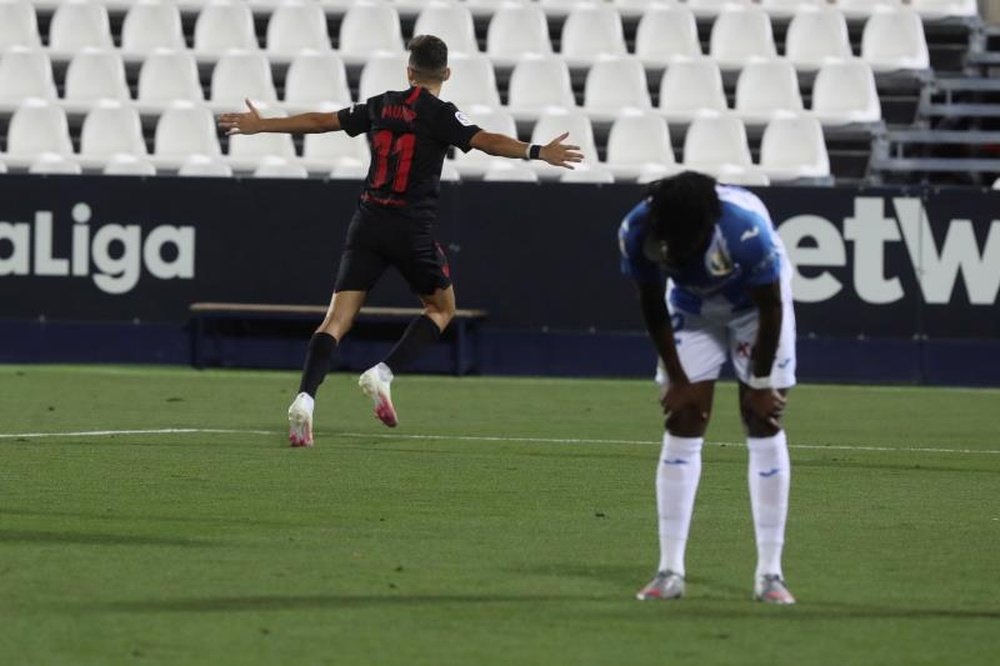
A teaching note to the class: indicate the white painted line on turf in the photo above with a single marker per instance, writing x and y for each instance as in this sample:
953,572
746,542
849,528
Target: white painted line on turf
474,438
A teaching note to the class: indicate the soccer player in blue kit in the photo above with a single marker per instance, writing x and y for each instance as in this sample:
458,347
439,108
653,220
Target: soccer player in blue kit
714,280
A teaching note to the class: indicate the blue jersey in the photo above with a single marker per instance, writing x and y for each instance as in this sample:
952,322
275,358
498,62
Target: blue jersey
745,251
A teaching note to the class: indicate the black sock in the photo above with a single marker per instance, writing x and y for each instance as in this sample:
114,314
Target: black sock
421,333
318,356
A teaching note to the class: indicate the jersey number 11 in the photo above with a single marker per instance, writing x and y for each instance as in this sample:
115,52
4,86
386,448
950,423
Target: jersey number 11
393,158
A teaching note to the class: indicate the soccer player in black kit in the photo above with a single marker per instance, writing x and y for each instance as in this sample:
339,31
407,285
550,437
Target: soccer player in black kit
409,132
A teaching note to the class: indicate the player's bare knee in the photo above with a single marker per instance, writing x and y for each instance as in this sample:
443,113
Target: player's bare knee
758,427
687,423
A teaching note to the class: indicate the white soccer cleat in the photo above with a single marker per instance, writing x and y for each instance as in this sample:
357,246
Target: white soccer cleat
300,420
771,589
665,585
374,382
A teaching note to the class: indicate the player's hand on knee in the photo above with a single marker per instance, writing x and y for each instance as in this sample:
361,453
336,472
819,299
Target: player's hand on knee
679,398
768,405
560,154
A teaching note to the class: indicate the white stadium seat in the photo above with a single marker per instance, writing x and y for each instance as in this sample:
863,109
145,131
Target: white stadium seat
55,164
765,88
639,8
515,30
368,28
78,24
272,166
816,36
559,8
316,82
296,26
203,166
587,173
472,81
349,172
490,7
165,77
37,127
150,25
223,25
110,128
640,142
788,8
712,8
185,129
239,75
449,174
555,122
511,172
538,83
844,93
412,8
941,9
476,162
18,25
895,40
793,147
25,73
614,84
689,87
862,9
451,22
325,151
93,75
996,184
591,30
716,143
739,34
128,165
383,71
666,31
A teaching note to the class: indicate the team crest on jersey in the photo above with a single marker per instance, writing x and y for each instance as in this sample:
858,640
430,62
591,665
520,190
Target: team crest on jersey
462,118
719,263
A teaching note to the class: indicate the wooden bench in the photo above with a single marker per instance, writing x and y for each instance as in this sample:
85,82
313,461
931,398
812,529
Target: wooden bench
462,333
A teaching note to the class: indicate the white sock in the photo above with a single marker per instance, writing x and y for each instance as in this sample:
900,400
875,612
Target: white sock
677,476
769,474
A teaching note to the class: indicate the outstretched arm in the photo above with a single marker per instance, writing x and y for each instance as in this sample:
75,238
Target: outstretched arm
250,122
555,152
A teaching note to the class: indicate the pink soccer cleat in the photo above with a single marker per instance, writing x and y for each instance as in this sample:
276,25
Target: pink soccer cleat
771,589
374,382
300,421
665,585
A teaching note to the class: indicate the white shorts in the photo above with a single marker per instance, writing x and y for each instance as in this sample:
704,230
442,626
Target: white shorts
703,342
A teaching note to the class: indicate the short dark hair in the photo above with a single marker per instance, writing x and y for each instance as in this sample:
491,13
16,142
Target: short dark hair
684,207
428,56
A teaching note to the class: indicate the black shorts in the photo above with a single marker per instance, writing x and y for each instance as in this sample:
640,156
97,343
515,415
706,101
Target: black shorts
375,242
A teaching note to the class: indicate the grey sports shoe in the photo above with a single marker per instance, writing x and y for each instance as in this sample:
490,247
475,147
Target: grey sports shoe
771,589
665,585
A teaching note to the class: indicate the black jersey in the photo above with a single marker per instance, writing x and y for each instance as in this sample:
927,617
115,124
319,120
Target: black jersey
409,132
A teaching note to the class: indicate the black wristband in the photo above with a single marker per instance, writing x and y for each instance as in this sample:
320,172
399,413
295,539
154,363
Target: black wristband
533,151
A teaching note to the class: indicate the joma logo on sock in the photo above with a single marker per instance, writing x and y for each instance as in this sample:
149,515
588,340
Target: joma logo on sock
112,255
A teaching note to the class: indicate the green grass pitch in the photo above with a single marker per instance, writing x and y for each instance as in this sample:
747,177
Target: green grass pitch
506,521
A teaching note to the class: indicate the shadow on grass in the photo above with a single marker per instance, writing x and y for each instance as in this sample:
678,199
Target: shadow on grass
95,539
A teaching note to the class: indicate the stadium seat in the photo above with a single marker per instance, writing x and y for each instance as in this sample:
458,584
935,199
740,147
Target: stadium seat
730,174
93,75
3,166
246,151
368,28
537,83
894,41
150,25
323,152
449,174
316,82
844,93
787,8
637,143
472,81
185,129
509,171
239,75
18,25
717,143
634,9
128,165
272,166
25,73
451,22
614,84
862,9
476,162
941,9
712,8
167,76
349,172
411,8
110,128
296,26
816,36
203,166
793,147
690,86
383,71
78,24
37,127
515,30
223,25
765,88
554,122
591,30
739,34
666,31
55,164
559,8
996,184
587,173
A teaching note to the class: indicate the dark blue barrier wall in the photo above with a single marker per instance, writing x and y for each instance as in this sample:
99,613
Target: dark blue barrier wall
896,285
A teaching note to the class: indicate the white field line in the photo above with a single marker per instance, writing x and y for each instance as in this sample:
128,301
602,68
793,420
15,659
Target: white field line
472,438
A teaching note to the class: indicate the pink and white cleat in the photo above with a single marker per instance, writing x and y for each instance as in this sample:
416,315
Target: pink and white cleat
771,589
665,585
374,382
300,421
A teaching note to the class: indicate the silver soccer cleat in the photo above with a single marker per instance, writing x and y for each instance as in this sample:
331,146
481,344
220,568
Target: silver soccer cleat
771,589
665,585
